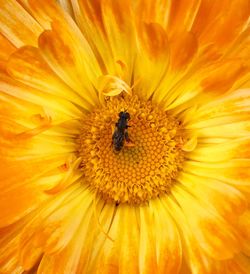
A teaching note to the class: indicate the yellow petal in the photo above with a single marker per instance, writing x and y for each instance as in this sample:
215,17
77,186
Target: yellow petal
229,202
235,149
105,258
167,239
190,145
77,255
72,174
235,172
148,262
109,257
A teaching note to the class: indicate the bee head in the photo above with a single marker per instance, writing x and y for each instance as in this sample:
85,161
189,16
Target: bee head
124,114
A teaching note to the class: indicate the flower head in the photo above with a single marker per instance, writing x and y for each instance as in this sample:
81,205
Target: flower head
124,142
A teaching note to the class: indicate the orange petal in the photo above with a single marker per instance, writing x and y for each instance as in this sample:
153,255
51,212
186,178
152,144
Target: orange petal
46,12
153,40
183,46
223,76
72,174
229,24
183,11
109,29
21,29
207,12
149,11
67,6
28,66
244,227
240,264
22,193
24,157
93,17
53,227
57,108
153,53
6,49
9,240
73,62
241,46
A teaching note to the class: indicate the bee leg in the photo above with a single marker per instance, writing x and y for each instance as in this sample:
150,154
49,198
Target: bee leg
128,142
112,130
126,136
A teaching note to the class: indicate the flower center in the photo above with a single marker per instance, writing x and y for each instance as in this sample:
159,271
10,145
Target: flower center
137,173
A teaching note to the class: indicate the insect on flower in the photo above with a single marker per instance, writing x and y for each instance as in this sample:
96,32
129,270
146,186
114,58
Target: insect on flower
121,132
124,136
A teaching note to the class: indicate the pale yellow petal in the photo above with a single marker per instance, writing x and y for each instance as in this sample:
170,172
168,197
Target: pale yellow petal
204,221
110,30
195,259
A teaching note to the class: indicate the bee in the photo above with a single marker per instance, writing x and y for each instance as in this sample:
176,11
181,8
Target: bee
120,134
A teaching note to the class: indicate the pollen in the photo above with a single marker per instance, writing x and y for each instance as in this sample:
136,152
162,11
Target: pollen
137,173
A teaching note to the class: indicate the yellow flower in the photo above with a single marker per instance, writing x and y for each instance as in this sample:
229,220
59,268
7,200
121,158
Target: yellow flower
84,190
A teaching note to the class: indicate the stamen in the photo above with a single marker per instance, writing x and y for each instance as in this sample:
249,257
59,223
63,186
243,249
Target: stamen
137,173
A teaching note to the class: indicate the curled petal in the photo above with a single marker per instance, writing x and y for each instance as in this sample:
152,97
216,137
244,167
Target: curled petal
111,85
